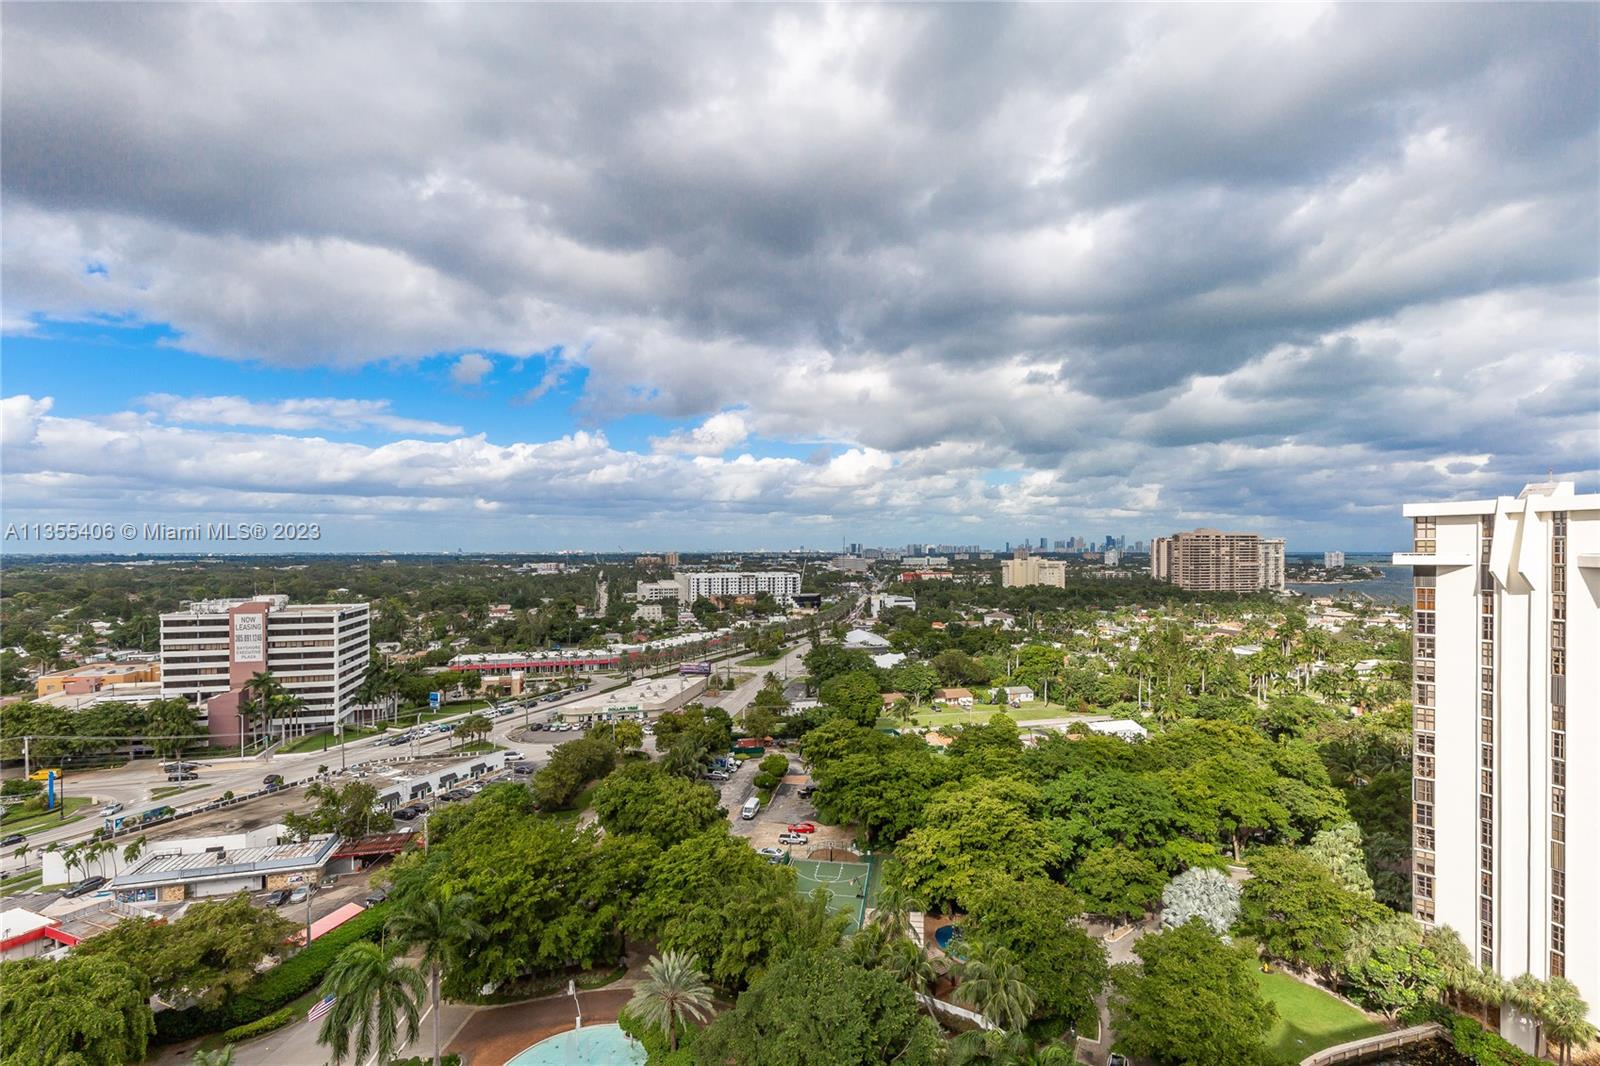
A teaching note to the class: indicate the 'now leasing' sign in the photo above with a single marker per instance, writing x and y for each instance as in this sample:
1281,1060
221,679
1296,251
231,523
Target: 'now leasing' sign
249,638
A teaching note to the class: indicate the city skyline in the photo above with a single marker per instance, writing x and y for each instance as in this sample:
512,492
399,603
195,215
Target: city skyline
873,274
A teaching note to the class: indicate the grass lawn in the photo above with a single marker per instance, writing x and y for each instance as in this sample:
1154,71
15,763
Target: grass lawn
171,790
23,882
1309,1019
474,748
324,741
409,716
46,818
580,803
761,660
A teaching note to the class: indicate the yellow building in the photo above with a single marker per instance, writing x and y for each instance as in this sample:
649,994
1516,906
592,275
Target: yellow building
82,680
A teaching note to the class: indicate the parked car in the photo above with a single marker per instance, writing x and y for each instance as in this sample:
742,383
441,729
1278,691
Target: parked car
717,775
405,814
791,838
807,791
769,852
278,898
184,776
273,780
376,896
179,767
300,894
111,808
84,887
803,827
14,838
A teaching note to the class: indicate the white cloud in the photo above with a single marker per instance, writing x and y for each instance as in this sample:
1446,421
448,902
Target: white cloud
471,369
714,436
295,414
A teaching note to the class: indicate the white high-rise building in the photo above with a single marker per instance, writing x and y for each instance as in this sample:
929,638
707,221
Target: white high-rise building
1332,560
779,584
1507,731
318,652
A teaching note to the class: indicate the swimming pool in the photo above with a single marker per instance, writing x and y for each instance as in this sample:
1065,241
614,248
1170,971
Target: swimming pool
948,937
600,1045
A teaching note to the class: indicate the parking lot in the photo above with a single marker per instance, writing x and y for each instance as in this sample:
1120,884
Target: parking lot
786,809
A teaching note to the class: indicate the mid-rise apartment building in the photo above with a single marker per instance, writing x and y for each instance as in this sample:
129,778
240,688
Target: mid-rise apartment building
656,591
318,652
1506,697
779,584
1209,560
1023,569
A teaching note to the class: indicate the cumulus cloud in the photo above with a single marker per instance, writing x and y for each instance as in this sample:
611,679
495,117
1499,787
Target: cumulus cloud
1269,265
294,414
471,368
714,436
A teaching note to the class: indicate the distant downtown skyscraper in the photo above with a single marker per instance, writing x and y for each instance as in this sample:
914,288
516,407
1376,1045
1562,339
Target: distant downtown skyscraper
1506,720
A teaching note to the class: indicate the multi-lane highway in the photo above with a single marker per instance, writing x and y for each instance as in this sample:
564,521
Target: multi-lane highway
133,784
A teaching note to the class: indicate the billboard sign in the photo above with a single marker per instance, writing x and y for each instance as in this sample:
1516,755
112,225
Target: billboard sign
249,638
434,699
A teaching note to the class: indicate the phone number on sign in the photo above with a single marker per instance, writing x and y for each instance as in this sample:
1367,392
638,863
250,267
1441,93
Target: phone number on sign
162,532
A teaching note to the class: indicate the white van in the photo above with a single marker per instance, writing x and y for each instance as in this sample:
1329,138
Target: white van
751,806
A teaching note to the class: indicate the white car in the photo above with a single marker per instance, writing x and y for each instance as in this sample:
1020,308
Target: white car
111,808
771,853
792,838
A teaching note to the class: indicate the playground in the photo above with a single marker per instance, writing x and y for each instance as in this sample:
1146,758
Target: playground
851,886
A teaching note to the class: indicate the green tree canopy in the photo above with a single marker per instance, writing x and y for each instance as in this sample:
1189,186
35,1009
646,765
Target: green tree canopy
206,956
1191,1000
83,1009
855,696
643,798
1298,912
970,831
1035,919
820,1008
346,810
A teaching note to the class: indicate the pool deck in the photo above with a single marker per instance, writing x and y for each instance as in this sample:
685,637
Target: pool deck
494,1035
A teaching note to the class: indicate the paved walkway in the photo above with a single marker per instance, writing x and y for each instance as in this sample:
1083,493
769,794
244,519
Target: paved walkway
494,1034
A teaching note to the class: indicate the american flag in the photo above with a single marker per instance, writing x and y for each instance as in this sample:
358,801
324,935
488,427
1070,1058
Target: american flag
324,1005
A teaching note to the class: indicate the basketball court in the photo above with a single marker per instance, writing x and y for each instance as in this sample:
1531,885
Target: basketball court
850,885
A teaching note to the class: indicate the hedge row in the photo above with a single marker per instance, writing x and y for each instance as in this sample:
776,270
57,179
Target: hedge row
274,989
276,1020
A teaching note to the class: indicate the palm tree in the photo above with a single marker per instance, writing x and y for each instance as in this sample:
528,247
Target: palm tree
992,984
895,906
373,993
673,991
135,848
909,964
257,698
1566,1017
442,928
997,1047
21,853
222,1056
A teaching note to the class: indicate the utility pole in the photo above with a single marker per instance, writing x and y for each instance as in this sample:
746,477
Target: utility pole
308,915
27,764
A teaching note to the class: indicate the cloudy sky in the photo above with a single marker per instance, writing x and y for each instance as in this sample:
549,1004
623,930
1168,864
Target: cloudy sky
654,276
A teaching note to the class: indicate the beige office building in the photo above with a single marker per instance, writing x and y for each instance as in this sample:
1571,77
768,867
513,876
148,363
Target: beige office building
1022,570
1209,560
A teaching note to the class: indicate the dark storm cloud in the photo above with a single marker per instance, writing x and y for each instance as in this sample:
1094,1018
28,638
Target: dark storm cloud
1052,233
